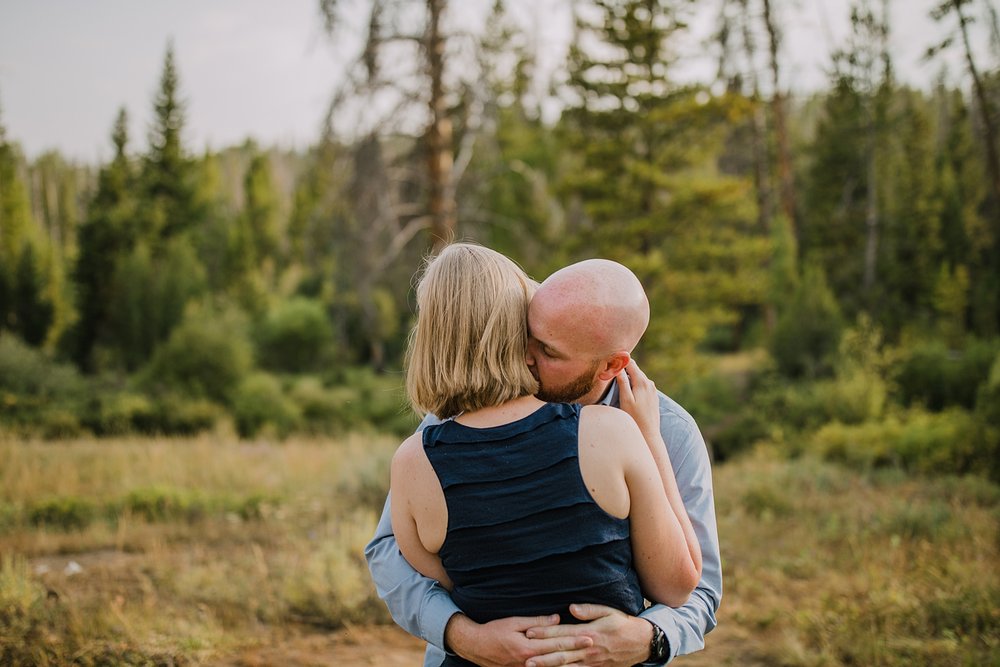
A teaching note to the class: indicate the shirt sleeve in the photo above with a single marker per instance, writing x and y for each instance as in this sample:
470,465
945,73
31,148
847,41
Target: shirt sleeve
418,604
685,627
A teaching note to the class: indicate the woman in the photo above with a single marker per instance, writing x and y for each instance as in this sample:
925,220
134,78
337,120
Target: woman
517,506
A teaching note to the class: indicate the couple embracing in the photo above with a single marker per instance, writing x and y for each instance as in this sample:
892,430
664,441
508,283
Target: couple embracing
551,490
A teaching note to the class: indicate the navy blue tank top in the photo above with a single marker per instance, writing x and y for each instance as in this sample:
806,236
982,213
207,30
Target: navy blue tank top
525,537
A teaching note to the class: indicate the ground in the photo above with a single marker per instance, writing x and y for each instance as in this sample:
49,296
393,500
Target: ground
388,646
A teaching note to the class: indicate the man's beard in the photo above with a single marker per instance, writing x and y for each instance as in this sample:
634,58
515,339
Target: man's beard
571,392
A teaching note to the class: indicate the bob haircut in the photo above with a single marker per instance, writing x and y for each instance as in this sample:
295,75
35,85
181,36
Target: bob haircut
467,350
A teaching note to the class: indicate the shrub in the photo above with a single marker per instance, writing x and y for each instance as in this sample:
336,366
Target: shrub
294,336
31,384
809,328
918,441
851,399
165,504
323,410
118,413
935,377
67,513
206,356
260,402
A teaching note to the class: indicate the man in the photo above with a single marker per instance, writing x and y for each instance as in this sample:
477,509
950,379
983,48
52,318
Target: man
583,322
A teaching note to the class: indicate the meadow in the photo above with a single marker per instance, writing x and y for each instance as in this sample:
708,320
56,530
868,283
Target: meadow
158,551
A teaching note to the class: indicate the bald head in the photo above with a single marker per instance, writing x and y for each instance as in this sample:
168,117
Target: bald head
601,300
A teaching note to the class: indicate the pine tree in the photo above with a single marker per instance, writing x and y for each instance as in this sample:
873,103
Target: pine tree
105,238
167,172
15,223
646,174
32,309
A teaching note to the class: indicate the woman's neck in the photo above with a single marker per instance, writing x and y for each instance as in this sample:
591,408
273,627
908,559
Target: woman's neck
498,415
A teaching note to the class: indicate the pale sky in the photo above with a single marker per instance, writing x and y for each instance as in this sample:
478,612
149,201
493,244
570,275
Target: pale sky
266,69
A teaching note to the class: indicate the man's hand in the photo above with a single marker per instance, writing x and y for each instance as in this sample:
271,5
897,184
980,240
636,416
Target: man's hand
637,396
619,640
503,643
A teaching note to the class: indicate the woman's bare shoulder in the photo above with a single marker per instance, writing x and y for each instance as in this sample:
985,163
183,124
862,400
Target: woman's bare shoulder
605,417
410,454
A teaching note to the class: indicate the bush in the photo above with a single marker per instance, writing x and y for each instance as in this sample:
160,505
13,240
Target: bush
206,356
918,441
66,513
110,414
323,410
851,399
809,327
32,385
165,504
935,377
260,402
294,336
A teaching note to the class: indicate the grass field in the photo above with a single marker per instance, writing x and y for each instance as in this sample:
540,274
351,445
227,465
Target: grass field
168,552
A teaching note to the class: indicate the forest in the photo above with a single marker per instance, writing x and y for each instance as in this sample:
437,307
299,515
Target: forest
823,268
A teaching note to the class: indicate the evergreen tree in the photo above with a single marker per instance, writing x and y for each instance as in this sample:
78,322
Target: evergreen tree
15,223
167,172
911,248
260,214
32,308
105,238
646,174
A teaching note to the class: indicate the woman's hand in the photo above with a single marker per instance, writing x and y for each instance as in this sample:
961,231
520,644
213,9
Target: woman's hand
638,397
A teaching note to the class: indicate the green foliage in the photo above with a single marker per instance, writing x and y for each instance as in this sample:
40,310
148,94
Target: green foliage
33,388
32,312
173,414
295,337
167,174
936,377
208,355
809,328
154,292
916,441
65,513
104,238
852,399
260,402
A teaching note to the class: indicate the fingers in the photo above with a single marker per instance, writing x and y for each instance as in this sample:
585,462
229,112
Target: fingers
553,631
527,623
624,386
590,612
558,658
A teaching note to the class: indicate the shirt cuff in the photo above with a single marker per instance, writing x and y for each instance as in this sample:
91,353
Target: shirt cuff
437,611
670,630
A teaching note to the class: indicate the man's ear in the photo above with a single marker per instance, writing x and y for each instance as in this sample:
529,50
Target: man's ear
613,365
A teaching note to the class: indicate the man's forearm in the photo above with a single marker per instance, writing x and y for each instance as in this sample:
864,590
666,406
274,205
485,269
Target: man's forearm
417,604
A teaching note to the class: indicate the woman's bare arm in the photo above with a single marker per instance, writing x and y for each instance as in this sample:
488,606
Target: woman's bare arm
639,398
419,513
624,480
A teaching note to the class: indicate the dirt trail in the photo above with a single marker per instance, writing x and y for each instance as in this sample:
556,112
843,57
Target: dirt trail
388,646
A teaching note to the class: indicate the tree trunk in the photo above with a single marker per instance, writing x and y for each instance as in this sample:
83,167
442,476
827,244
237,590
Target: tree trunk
761,159
441,204
992,158
785,177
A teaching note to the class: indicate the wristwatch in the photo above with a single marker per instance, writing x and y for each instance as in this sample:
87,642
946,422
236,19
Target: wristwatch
659,647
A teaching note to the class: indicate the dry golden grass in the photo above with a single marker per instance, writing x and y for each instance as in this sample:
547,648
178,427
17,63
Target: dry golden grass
185,585
823,566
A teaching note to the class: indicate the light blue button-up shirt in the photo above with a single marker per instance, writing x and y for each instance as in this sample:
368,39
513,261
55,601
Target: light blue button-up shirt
422,607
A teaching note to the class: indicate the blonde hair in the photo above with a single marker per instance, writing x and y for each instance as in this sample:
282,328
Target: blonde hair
467,350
